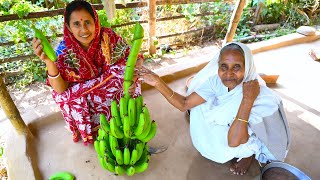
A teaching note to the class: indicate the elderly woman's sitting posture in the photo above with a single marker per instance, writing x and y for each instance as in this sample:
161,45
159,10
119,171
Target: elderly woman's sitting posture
234,115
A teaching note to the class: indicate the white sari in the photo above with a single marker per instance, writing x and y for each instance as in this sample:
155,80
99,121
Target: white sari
209,122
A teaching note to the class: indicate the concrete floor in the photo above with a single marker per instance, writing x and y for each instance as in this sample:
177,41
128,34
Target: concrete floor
297,85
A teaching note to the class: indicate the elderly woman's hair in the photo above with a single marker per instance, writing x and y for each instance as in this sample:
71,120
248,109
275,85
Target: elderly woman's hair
78,5
231,46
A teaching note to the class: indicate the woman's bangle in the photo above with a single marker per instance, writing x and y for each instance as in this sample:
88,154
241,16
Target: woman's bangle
171,95
239,119
53,77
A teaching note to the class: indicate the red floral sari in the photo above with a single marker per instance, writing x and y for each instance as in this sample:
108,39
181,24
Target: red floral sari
95,78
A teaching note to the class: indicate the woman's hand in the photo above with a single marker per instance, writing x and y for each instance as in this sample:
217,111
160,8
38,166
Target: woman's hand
147,76
251,90
38,50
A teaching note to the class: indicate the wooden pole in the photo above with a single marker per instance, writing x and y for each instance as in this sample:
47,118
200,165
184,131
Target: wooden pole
152,26
11,110
235,18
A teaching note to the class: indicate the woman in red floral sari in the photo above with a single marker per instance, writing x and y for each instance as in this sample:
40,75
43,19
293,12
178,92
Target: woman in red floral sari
88,73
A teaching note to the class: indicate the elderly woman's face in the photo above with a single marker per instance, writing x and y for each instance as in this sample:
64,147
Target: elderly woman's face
82,27
231,68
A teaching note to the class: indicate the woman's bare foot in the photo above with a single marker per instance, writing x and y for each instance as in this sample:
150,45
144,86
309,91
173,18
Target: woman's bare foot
241,167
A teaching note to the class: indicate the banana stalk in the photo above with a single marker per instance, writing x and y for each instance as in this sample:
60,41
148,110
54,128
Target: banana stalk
132,58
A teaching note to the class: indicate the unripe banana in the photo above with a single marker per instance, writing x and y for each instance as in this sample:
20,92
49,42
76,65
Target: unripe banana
139,148
145,132
139,104
108,152
111,167
119,156
103,146
141,168
134,156
113,144
130,171
62,176
102,134
152,132
119,170
123,107
144,157
103,162
115,112
126,127
139,129
132,111
115,130
126,156
96,145
104,123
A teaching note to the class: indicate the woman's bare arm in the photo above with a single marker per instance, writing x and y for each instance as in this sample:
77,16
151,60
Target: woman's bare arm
58,83
177,100
238,132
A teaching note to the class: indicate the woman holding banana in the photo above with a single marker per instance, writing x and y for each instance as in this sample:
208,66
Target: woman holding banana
88,73
234,115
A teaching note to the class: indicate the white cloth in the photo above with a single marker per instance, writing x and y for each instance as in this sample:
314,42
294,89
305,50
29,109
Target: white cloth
210,121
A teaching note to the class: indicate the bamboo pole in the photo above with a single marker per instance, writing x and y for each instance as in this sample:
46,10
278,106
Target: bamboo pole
11,110
235,18
152,25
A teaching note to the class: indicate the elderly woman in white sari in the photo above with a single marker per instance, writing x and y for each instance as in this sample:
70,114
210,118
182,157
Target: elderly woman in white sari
234,115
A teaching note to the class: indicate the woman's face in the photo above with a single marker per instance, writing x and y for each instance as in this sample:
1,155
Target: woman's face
82,27
231,68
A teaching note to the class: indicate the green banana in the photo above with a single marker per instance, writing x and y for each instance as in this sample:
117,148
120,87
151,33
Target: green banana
134,156
115,112
103,146
108,149
119,156
126,127
123,107
130,171
103,162
119,170
147,117
126,155
140,149
151,133
132,111
145,155
63,175
104,123
110,166
145,132
115,130
96,145
139,104
139,129
141,168
113,144
102,134
47,48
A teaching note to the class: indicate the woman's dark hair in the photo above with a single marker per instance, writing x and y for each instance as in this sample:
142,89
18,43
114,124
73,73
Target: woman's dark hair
77,5
231,46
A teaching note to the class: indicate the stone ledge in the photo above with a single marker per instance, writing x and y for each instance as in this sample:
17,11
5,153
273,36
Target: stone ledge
278,42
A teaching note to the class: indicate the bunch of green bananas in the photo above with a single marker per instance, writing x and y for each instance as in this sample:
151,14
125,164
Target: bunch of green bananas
120,150
122,142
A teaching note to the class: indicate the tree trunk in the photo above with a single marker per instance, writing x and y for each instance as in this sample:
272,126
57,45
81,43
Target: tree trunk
256,17
11,110
235,18
152,25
